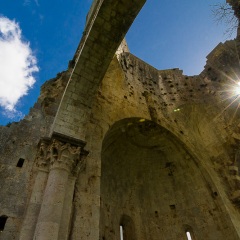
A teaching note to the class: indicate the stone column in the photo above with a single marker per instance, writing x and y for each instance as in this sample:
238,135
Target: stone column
64,157
67,210
68,201
34,205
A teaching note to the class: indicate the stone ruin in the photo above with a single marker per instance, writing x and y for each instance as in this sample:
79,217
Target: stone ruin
116,149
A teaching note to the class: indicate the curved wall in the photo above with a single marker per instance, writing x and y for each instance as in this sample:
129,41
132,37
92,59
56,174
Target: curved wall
149,178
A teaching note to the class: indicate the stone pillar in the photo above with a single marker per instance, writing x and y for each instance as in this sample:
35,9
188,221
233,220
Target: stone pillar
33,209
64,157
67,210
68,201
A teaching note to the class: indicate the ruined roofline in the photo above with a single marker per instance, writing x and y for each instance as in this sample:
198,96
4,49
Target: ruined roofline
235,4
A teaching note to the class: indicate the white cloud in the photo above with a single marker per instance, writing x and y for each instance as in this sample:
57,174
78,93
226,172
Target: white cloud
13,114
17,65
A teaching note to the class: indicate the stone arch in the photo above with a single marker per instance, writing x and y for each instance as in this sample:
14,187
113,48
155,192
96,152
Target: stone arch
128,227
189,229
149,175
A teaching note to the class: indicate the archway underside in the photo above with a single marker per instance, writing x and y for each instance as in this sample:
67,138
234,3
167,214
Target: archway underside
153,188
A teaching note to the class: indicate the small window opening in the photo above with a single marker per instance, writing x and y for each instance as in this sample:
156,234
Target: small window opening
214,194
3,220
127,230
121,232
189,237
172,207
20,162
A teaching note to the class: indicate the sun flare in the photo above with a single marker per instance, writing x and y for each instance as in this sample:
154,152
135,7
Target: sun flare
231,95
237,88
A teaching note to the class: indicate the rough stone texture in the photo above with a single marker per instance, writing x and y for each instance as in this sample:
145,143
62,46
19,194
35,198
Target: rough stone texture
19,140
150,177
106,27
159,150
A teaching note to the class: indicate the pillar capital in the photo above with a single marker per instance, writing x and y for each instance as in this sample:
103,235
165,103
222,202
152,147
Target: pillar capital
64,155
61,152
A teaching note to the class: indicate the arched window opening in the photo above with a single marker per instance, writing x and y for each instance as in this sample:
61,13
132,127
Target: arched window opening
189,232
189,237
3,220
127,231
121,232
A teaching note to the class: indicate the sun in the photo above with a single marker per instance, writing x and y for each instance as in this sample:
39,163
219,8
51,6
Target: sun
237,88
230,95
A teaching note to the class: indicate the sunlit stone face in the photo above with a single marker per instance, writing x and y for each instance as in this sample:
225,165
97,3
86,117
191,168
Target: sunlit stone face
150,183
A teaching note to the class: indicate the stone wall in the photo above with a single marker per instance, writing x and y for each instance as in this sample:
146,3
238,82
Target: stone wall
159,149
189,107
19,140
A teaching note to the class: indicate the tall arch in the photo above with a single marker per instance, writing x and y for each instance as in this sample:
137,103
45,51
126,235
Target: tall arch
148,175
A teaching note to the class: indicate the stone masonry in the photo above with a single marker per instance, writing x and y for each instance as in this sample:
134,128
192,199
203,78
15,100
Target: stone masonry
113,143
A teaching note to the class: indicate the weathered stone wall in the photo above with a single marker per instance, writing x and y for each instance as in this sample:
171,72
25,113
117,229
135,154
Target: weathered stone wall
187,106
149,176
195,147
19,140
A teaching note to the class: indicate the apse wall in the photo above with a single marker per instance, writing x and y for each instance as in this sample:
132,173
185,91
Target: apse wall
154,188
132,88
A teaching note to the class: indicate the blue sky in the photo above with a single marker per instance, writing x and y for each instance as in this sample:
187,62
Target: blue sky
166,34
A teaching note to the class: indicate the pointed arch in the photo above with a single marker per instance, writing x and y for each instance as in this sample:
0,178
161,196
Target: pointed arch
148,174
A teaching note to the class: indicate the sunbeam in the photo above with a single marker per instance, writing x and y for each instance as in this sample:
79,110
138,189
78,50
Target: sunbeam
230,93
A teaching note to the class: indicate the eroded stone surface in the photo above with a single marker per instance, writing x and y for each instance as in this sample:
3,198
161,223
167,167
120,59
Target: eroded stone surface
161,156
